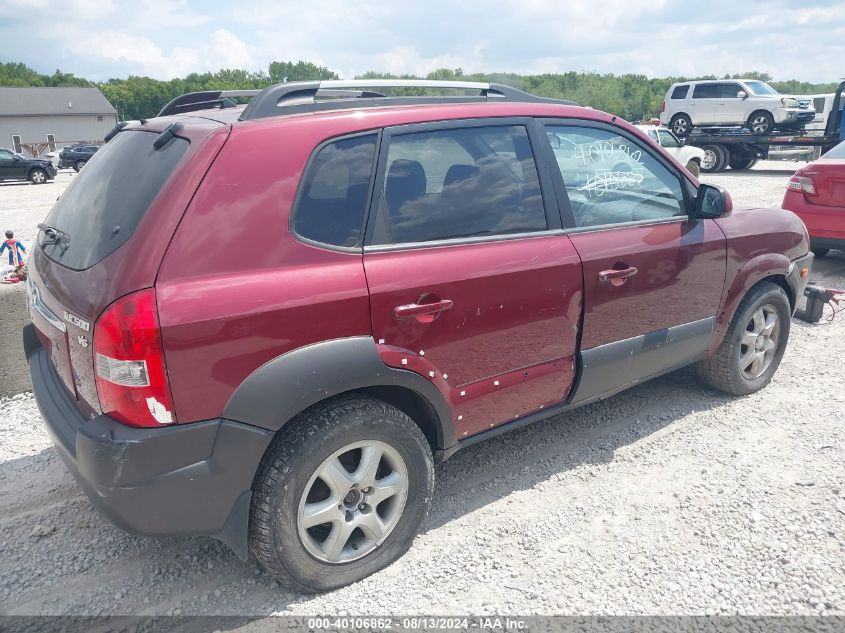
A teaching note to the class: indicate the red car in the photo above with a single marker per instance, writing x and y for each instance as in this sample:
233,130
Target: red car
267,323
816,193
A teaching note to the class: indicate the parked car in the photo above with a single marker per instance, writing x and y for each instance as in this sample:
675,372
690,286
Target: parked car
686,155
745,102
54,158
816,193
76,156
419,279
14,166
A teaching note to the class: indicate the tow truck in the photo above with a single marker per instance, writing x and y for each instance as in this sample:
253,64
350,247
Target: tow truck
739,148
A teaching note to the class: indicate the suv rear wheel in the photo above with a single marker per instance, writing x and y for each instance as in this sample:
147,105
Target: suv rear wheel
753,345
78,165
340,494
681,124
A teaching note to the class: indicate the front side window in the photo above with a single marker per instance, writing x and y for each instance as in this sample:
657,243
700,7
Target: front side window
680,92
456,183
334,193
705,91
610,179
729,91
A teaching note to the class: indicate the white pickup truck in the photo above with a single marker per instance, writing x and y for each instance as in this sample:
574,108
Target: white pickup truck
689,156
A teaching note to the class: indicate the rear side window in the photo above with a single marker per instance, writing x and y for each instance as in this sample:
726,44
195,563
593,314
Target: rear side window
455,183
104,203
680,92
705,91
331,206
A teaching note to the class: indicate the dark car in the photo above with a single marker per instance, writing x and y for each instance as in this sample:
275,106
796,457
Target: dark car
76,156
13,166
420,273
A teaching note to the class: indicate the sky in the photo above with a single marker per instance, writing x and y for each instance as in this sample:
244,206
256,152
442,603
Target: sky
99,39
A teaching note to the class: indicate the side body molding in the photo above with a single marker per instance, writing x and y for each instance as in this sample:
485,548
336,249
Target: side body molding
287,385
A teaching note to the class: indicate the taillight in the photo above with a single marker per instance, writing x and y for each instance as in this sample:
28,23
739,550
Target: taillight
663,106
803,184
129,362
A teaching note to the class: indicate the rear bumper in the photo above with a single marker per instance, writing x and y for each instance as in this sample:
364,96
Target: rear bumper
796,281
193,479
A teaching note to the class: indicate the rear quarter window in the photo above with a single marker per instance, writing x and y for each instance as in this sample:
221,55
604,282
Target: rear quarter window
105,202
333,198
680,92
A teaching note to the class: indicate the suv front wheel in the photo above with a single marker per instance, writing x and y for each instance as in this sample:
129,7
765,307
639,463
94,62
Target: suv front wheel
340,494
754,344
761,122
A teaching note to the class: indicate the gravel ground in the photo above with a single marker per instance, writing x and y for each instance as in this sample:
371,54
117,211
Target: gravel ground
666,499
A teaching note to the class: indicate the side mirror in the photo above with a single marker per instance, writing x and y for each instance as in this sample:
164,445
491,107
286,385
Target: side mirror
554,139
712,202
742,94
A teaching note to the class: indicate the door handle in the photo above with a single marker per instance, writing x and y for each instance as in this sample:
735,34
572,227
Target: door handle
421,309
617,277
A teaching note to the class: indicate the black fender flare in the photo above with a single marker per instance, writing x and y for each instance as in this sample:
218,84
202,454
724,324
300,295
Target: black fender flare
287,385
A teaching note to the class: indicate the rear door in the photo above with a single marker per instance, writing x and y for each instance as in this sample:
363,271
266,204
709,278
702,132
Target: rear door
703,104
472,281
653,276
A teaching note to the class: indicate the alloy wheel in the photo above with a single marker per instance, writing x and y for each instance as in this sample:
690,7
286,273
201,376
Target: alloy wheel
353,501
759,124
38,177
679,127
759,342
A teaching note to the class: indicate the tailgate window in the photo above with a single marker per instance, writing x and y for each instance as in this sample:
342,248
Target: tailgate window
103,205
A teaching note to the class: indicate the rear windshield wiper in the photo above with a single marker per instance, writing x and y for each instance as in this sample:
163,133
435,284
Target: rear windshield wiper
54,236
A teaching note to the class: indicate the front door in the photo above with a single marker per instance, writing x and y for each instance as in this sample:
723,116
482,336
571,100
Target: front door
9,166
730,109
472,282
653,276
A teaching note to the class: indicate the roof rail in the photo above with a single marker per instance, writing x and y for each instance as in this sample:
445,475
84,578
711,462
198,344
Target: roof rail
205,100
311,96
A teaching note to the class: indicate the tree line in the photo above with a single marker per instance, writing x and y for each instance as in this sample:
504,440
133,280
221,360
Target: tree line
631,96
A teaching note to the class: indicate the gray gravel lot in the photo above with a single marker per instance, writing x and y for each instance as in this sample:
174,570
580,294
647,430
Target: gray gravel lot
666,499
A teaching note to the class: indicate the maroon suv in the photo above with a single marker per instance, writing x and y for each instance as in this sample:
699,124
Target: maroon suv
266,323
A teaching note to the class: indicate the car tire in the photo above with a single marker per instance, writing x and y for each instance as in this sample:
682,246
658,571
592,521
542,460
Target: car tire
681,124
741,161
760,326
694,168
715,159
78,165
37,176
761,122
821,252
292,476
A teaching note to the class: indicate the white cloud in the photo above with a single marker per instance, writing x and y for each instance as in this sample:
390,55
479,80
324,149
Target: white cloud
165,38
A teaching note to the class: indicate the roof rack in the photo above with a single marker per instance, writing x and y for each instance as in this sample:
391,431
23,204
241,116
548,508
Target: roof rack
312,96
